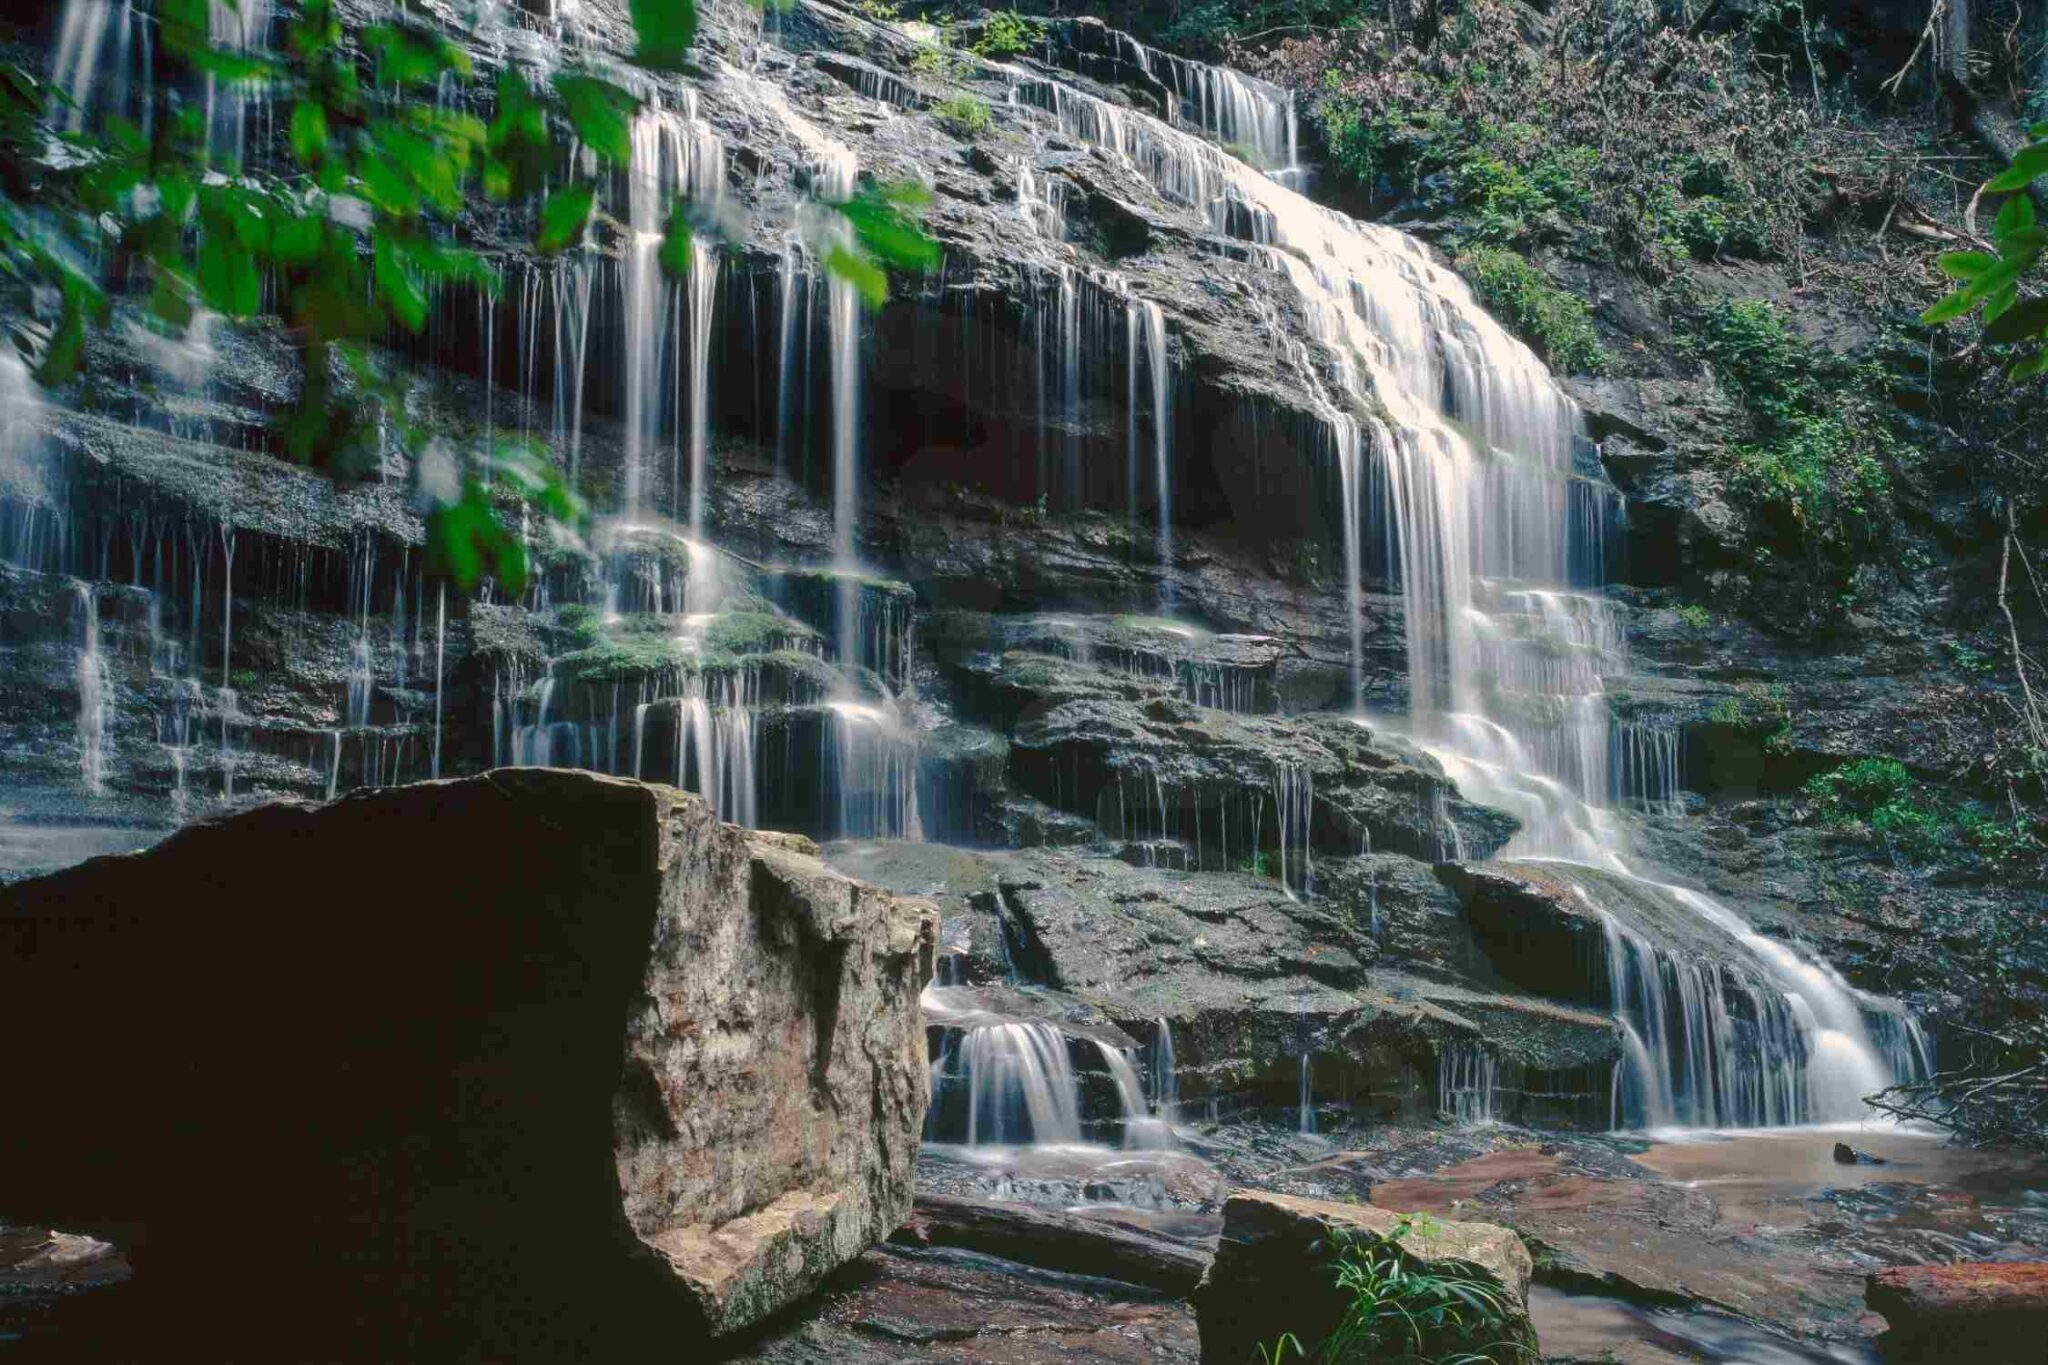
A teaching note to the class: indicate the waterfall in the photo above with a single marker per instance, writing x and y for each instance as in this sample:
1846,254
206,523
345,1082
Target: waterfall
1165,1080
1020,1084
1468,1082
92,694
1305,1103
1498,534
703,296
1145,339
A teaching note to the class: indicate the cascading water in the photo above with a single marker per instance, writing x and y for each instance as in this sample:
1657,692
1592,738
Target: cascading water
92,694
1497,528
1468,1082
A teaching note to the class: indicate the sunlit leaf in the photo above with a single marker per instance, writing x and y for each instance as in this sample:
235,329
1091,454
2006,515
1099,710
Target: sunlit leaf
309,132
2021,321
664,30
864,275
2027,165
601,113
2016,214
562,218
675,243
1965,265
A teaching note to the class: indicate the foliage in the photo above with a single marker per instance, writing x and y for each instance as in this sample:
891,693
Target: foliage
1621,137
1820,464
1759,709
1556,323
1883,796
1992,282
1007,34
1695,616
350,238
1399,1313
966,115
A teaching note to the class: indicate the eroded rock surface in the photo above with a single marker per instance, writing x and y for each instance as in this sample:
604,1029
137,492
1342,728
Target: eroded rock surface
1272,1270
559,1048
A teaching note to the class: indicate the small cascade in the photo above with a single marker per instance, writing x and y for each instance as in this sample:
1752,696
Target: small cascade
1020,1084
1145,340
1294,802
876,775
1165,1079
674,153
92,694
1468,1082
1643,766
1140,1129
702,287
240,26
1305,1117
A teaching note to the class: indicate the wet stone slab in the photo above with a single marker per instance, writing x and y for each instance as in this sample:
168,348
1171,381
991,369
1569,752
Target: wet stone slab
899,1304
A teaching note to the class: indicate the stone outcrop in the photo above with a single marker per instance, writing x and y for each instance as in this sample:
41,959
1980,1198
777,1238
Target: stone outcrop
1272,1273
1990,1312
559,1048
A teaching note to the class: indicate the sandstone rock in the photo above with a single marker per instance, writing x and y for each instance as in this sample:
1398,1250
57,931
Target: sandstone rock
559,1049
1272,1272
1055,1239
1984,1312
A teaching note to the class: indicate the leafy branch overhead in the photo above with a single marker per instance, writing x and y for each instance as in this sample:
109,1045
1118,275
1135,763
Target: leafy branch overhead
350,237
1992,282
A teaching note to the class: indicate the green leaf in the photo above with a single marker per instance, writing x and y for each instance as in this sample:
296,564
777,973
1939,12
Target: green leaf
2027,368
227,276
1998,303
884,219
2017,213
1950,308
562,218
398,282
2028,164
2024,244
676,256
601,113
1994,278
409,56
664,30
67,342
2021,321
1965,265
864,275
309,132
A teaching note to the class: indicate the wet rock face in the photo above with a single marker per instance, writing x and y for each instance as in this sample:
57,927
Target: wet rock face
1993,1312
1272,1272
603,1069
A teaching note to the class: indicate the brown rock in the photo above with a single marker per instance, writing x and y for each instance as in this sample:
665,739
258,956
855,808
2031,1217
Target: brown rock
531,1065
1986,1311
1272,1273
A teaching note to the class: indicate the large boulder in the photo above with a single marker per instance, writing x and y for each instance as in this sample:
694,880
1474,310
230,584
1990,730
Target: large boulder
1988,1312
526,1066
1273,1273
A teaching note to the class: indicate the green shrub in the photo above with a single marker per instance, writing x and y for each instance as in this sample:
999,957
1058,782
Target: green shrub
1554,322
1007,34
966,115
1397,1313
1696,616
1863,784
1750,348
1820,471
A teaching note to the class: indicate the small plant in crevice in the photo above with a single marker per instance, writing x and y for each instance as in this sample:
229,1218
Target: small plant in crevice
1396,1312
1882,796
1551,320
1008,34
1818,467
1695,616
965,116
